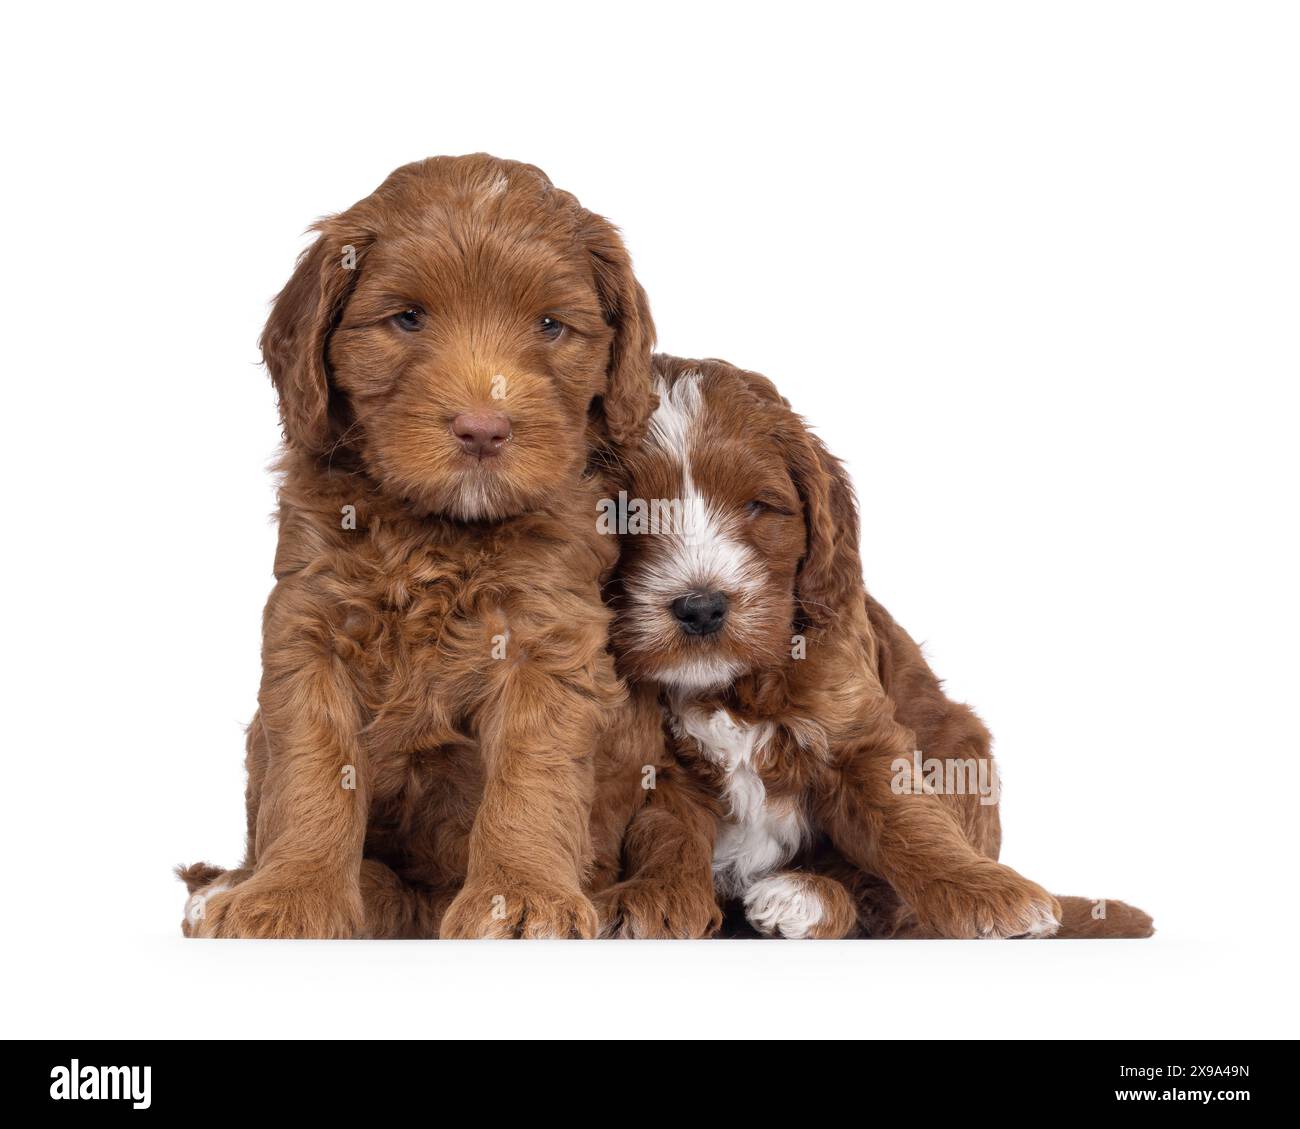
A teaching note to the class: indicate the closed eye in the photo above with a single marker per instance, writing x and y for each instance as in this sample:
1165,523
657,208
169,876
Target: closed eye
759,506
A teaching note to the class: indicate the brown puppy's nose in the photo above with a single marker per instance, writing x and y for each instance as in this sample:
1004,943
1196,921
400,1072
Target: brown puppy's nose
482,434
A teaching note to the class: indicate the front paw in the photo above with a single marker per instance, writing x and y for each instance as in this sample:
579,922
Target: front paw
798,905
274,908
652,908
503,909
990,900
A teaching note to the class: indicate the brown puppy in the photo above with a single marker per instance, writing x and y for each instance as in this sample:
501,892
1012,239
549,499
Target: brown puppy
797,705
451,355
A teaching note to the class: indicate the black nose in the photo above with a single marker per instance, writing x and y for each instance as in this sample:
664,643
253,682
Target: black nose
700,613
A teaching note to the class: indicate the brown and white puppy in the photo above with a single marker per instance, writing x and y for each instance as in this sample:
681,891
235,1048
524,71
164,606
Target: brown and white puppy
451,356
797,705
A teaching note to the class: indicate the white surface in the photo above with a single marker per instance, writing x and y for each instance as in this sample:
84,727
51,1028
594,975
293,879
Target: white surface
1177,987
1031,268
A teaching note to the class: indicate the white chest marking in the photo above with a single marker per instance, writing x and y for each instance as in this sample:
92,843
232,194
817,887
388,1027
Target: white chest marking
757,835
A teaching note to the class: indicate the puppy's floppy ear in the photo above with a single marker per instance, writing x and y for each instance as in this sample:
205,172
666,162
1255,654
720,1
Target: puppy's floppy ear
629,398
297,333
830,575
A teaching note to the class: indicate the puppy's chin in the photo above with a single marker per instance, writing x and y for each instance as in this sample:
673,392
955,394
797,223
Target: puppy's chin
484,494
702,674
474,493
683,666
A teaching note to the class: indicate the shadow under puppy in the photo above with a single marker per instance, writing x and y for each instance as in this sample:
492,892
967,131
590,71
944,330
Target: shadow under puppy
450,354
796,705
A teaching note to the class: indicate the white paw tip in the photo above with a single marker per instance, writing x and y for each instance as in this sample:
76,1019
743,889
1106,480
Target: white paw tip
783,905
1037,921
1043,922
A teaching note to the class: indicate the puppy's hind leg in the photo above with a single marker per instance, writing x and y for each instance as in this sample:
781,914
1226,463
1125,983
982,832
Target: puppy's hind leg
393,908
203,881
1097,918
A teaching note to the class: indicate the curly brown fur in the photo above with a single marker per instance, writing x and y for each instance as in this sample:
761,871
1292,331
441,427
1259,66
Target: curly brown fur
435,667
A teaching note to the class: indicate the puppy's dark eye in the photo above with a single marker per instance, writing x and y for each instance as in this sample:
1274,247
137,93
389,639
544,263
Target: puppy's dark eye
551,329
409,319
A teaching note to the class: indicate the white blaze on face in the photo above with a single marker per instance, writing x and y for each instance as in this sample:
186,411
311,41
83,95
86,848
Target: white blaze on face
700,551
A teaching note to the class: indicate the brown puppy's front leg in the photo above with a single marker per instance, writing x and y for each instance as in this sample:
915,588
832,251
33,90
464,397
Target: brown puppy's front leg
530,843
912,840
311,818
654,826
629,756
668,888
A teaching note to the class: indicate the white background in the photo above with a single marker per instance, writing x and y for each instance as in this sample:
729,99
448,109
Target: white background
1030,267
